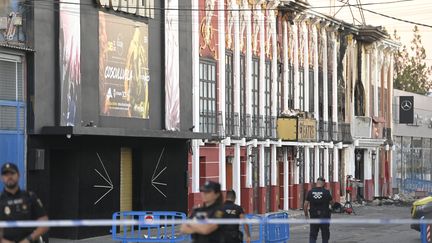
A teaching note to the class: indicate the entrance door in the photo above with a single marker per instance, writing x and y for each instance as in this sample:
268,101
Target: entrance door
359,170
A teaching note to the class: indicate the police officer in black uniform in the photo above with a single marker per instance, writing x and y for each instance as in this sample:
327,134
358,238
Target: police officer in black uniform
17,204
232,233
319,200
212,199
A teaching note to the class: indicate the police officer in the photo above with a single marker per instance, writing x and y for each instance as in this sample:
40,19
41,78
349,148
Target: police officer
319,200
232,233
212,199
17,204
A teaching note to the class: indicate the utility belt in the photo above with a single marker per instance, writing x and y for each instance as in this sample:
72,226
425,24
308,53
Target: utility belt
319,213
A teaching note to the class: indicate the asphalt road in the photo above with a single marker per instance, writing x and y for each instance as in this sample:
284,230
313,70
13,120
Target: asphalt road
340,233
365,233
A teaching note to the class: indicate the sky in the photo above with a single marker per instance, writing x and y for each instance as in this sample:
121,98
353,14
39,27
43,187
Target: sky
413,10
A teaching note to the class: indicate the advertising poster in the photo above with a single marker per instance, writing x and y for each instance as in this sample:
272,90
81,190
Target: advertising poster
70,55
123,67
12,21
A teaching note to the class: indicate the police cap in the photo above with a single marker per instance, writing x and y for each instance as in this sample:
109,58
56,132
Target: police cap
9,167
210,186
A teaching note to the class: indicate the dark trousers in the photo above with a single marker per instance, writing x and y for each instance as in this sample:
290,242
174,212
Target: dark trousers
325,232
233,237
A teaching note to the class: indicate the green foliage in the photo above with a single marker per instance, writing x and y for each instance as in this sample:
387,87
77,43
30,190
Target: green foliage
411,72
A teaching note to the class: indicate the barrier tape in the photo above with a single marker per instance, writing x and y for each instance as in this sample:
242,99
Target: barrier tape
99,222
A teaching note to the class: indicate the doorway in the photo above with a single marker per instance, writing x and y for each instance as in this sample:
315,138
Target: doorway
359,171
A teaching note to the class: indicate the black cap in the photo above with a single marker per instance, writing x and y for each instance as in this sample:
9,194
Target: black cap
321,179
210,186
9,167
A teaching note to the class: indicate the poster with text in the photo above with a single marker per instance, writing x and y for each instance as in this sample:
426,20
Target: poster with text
123,67
69,58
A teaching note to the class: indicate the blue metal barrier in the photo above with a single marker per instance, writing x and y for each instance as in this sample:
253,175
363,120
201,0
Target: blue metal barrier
276,232
148,232
425,232
254,228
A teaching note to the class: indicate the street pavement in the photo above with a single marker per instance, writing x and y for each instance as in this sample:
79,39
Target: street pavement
339,233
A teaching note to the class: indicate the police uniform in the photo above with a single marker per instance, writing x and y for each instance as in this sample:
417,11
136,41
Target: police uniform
319,199
232,232
213,211
22,205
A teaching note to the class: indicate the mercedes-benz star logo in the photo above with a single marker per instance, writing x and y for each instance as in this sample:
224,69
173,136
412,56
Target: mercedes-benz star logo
406,105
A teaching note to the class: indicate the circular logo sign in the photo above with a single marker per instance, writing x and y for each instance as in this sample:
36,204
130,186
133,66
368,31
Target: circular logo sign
148,219
406,105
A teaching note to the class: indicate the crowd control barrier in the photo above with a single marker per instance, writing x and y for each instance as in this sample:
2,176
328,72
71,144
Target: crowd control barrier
425,232
145,231
276,232
256,230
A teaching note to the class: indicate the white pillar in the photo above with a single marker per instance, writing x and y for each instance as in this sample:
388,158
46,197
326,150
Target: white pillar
248,61
326,164
221,66
261,165
286,179
236,173
274,170
222,166
335,165
376,79
195,95
317,163
236,60
376,173
316,73
262,68
307,165
285,64
367,165
195,166
274,103
306,66
296,67
221,61
334,80
368,82
248,167
325,81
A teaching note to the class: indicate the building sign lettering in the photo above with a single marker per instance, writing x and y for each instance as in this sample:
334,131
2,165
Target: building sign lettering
140,8
306,129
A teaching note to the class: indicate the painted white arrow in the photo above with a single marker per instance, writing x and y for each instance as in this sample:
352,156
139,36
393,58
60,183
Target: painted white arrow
106,178
155,183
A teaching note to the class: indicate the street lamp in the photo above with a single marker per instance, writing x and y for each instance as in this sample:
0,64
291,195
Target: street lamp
358,156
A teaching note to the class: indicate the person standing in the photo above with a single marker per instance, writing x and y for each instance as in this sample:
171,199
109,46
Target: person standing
319,200
212,209
232,233
17,204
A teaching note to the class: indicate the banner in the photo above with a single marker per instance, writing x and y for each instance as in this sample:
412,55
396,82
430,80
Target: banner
70,55
172,83
123,67
406,109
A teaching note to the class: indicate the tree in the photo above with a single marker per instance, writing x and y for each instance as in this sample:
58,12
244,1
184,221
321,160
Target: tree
411,70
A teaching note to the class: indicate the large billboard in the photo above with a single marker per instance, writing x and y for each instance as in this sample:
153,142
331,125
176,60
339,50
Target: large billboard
123,67
70,55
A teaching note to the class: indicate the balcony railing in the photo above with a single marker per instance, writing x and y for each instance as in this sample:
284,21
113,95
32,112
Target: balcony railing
255,126
323,130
